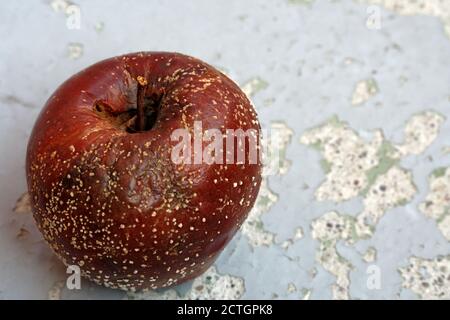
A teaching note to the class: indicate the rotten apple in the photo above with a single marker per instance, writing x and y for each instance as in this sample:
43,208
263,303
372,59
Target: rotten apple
109,193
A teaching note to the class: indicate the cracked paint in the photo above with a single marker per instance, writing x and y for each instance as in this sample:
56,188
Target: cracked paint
364,90
430,279
391,189
253,227
353,164
437,202
356,167
346,156
395,188
275,163
328,230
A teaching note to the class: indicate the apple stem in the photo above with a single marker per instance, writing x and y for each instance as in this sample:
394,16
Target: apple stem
140,102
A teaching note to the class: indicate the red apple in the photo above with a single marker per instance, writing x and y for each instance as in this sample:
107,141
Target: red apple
106,192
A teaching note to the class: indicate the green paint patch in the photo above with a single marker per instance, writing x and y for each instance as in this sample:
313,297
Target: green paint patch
439,172
336,122
325,165
372,86
385,163
354,234
444,215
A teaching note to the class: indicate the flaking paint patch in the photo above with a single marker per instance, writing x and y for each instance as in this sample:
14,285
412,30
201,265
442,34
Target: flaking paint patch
370,255
275,160
169,294
298,234
301,2
75,50
328,230
211,285
99,26
253,227
22,233
430,279
356,167
392,189
54,293
347,156
23,204
354,164
364,90
446,150
306,294
253,86
437,203
275,163
291,288
433,8
420,132
59,5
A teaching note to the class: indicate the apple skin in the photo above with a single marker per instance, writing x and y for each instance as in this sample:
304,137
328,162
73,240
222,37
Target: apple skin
113,202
